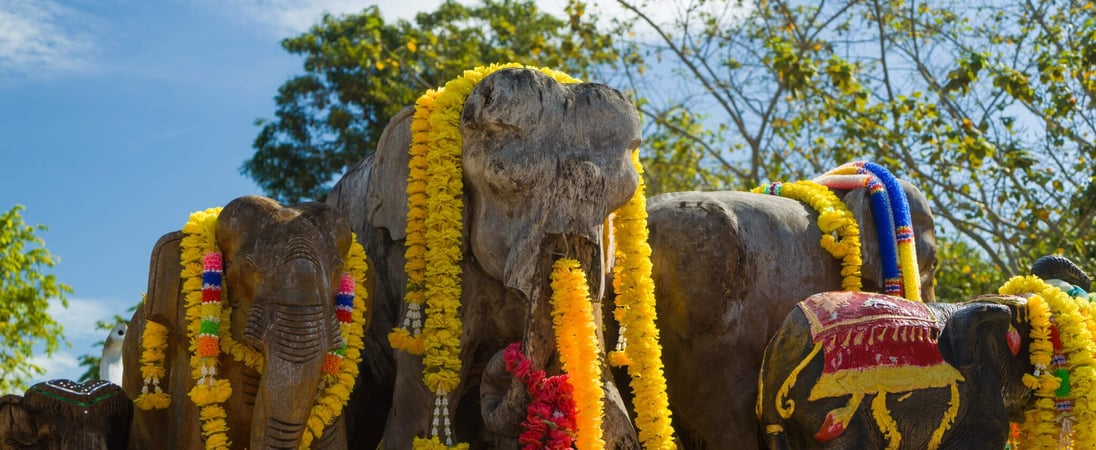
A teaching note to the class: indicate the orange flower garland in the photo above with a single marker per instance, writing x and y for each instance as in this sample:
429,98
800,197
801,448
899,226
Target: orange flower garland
577,342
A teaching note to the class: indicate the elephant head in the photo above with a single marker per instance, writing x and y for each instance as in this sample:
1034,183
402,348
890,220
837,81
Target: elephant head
62,414
282,267
544,165
281,272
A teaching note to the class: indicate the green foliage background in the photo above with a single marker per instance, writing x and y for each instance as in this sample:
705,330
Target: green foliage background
26,290
987,106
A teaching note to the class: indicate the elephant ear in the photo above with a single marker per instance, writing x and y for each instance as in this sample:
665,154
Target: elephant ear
974,332
386,198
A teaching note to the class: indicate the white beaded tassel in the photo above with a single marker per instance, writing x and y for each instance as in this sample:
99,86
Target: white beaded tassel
439,424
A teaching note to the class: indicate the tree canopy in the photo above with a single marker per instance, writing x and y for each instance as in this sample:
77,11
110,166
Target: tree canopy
26,290
361,70
987,106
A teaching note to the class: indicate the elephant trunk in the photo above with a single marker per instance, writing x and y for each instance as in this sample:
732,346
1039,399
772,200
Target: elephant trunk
298,338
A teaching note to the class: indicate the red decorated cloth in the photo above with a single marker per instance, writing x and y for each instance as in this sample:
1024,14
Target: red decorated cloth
875,343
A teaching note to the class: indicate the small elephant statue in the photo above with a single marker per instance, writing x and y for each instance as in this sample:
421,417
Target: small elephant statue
282,272
728,267
544,165
63,414
866,370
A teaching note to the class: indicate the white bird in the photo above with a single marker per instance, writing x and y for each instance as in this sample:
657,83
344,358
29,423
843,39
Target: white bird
110,366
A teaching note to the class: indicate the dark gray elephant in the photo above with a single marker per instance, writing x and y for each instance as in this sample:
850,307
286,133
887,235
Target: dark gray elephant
940,375
950,377
282,268
544,165
62,415
728,267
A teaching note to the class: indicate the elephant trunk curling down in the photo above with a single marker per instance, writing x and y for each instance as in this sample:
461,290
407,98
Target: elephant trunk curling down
295,328
572,189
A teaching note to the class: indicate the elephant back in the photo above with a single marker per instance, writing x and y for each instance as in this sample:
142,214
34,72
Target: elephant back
82,408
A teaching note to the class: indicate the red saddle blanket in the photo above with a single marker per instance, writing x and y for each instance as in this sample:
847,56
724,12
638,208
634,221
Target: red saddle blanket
875,343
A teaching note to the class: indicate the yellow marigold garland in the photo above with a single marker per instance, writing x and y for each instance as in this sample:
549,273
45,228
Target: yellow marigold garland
1044,427
408,337
441,180
577,342
205,321
635,308
153,345
833,216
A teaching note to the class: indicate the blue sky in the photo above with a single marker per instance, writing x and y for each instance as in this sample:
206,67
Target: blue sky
118,118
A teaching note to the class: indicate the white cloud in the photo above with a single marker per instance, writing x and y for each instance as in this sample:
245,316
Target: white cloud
41,37
79,328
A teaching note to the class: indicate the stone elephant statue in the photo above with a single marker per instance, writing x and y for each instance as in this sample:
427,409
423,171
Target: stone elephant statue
863,370
62,414
910,375
544,165
281,269
728,267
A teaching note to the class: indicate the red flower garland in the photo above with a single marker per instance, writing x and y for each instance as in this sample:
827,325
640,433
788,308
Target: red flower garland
550,419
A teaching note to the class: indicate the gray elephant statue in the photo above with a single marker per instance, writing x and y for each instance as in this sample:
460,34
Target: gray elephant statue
728,267
62,415
544,165
282,272
865,370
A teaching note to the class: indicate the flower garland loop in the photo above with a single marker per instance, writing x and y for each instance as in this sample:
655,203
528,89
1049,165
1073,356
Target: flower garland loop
833,217
635,310
550,421
433,246
208,330
577,342
1062,351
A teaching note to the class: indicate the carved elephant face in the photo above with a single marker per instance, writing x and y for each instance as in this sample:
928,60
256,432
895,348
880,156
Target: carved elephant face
282,266
976,337
61,414
543,159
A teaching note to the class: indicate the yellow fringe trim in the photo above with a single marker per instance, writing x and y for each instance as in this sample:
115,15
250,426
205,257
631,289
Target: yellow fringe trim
884,379
577,343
